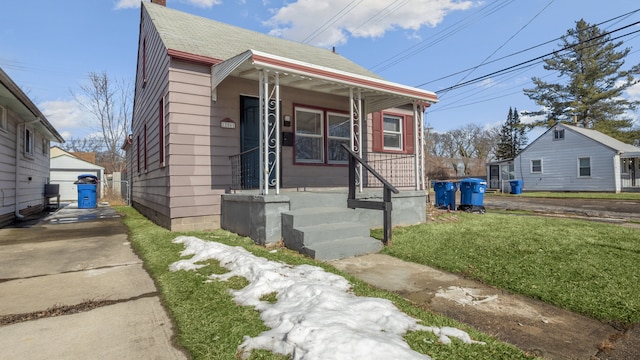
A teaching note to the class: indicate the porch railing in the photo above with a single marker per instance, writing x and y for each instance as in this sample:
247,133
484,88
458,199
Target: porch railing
244,170
385,205
397,169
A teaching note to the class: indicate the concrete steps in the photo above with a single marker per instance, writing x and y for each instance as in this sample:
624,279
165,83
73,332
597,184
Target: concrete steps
327,233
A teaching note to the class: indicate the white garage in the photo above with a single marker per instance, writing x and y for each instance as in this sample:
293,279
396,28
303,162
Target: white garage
66,168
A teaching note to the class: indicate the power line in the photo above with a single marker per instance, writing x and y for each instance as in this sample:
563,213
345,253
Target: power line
333,20
539,58
440,36
525,50
505,43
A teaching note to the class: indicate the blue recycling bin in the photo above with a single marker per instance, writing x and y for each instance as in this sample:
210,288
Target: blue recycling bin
87,191
445,194
516,186
472,194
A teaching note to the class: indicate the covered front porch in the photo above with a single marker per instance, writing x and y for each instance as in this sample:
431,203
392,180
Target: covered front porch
630,172
304,172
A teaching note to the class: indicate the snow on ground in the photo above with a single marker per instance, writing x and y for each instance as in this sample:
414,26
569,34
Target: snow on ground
315,315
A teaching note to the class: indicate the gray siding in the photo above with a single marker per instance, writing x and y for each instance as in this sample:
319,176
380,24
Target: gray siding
33,171
560,164
149,187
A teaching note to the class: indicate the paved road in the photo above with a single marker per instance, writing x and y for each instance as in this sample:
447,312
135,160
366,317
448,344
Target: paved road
71,287
608,209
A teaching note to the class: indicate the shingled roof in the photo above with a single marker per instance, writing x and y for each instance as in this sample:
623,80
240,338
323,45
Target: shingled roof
205,37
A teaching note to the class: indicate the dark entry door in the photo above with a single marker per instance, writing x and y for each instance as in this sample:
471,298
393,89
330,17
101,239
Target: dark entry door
494,176
250,141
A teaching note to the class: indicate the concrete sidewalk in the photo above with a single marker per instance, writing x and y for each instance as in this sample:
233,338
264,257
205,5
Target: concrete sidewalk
71,287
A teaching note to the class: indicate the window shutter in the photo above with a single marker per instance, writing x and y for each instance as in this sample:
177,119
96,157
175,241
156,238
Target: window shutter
378,137
408,134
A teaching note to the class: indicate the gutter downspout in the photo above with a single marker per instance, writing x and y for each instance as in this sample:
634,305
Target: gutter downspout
17,211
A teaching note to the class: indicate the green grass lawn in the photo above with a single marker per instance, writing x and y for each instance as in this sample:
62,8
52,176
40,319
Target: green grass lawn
210,325
587,267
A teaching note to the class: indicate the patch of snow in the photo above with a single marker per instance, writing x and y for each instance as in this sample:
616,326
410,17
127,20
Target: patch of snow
315,316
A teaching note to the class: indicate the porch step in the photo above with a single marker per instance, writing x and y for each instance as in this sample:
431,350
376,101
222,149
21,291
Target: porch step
343,248
327,233
318,216
302,200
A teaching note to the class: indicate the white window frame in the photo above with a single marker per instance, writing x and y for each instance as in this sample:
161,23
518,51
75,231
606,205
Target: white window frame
579,167
313,136
541,168
334,137
28,141
4,122
399,134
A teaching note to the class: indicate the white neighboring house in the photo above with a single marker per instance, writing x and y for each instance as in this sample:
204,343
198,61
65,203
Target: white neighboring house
571,158
25,139
65,169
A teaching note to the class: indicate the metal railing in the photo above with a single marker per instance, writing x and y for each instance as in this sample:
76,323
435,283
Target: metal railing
385,205
244,170
398,169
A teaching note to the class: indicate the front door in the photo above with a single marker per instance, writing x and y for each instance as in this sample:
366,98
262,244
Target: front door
250,141
494,176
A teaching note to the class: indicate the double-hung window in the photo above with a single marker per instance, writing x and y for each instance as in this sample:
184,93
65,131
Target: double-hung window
3,119
584,167
319,134
309,136
536,166
28,141
558,134
392,130
338,133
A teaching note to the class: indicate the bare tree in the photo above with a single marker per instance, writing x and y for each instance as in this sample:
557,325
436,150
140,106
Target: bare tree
464,151
109,101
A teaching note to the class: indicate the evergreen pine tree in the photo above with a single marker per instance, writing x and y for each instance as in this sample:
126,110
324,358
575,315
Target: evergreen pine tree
592,84
512,137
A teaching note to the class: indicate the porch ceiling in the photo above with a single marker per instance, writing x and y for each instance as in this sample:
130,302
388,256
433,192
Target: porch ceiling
377,94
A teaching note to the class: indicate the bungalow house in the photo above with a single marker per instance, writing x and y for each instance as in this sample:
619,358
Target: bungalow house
236,129
571,158
25,136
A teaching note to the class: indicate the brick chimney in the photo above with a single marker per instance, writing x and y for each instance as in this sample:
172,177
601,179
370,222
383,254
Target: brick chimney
160,2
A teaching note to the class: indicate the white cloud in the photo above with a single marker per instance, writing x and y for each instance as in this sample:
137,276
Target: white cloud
130,4
204,3
67,117
127,4
487,83
324,23
634,92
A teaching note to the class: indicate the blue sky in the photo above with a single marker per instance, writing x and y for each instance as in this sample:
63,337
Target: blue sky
49,47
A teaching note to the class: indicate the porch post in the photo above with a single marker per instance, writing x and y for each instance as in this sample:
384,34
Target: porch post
262,85
276,128
269,133
419,146
355,140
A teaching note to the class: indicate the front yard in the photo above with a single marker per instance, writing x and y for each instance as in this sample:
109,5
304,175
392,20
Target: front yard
211,325
587,267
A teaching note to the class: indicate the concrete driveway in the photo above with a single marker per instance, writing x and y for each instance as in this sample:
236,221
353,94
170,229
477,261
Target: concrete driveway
71,287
